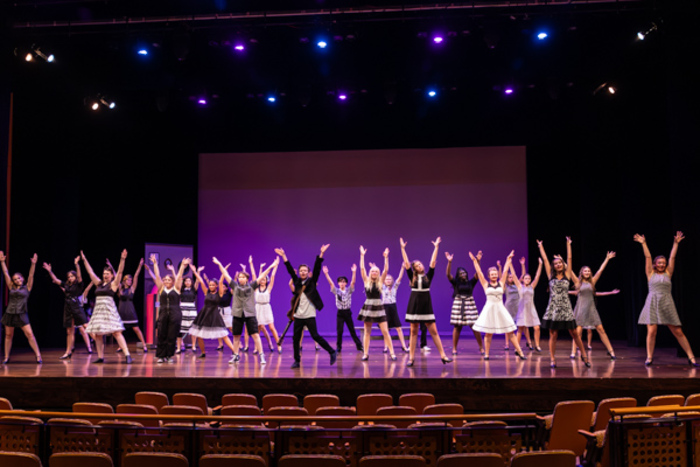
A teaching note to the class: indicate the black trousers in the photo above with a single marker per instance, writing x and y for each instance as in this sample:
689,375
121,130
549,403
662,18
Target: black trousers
310,324
169,323
343,318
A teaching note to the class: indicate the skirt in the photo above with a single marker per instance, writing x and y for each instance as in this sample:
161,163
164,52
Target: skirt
189,313
209,324
392,315
127,313
227,316
73,315
15,320
105,317
372,311
263,312
464,312
420,308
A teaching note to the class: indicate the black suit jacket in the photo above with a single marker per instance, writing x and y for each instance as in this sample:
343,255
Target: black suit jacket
311,290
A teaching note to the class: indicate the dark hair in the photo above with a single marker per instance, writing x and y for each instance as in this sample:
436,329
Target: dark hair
72,272
342,279
110,269
304,266
247,276
459,270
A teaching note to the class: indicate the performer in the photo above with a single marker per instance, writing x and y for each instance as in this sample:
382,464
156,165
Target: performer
659,307
464,312
343,301
263,310
73,312
373,309
243,307
420,306
169,314
225,310
127,312
559,314
585,312
527,314
188,306
512,298
308,303
389,289
105,316
494,318
16,314
301,339
209,323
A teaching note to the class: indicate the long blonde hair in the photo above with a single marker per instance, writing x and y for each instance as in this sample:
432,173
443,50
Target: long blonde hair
377,283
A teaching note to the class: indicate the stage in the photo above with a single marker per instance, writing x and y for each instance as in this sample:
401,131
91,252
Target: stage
504,383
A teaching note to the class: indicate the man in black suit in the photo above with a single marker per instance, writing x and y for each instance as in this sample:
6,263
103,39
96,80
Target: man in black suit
307,303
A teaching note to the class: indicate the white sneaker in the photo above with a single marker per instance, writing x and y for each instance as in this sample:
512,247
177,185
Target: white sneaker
425,348
160,360
262,359
171,360
234,359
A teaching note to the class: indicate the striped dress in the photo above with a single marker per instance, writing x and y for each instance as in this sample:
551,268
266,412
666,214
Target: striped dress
188,307
464,311
373,309
105,316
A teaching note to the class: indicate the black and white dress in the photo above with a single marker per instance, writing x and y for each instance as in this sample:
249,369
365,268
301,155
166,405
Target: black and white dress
464,311
559,314
188,306
420,305
105,316
389,299
373,309
73,312
209,324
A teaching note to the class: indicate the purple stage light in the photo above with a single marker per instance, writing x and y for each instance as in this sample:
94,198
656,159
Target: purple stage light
342,97
508,91
202,101
438,39
240,47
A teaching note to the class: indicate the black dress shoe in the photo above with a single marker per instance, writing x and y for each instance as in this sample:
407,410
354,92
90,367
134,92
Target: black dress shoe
129,359
334,356
295,365
99,360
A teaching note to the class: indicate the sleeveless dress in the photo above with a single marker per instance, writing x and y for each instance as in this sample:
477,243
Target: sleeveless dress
188,307
390,309
105,317
559,314
494,318
73,313
15,315
420,305
659,307
464,311
527,313
373,309
512,300
209,324
127,312
225,307
263,310
585,312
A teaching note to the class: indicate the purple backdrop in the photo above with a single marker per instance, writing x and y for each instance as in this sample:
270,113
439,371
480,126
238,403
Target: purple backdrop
474,198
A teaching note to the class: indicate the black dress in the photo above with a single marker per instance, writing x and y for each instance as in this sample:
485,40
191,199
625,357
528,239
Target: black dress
73,313
209,324
127,312
420,305
15,315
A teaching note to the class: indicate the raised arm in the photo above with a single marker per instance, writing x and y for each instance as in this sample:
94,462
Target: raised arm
199,281
224,272
178,278
674,250
433,259
500,268
398,279
196,283
78,274
87,289
54,279
271,282
523,271
118,277
270,267
516,281
8,280
32,270
506,268
93,278
328,277
543,255
538,274
648,268
222,286
363,272
569,263
477,268
253,276
156,272
386,265
135,282
449,257
608,257
353,280
406,262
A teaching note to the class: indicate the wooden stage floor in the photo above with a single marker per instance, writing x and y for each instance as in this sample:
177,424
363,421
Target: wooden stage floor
504,383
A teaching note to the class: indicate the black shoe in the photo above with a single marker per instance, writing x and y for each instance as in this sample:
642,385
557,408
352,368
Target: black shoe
393,357
552,364
66,356
360,348
486,357
365,357
386,350
334,356
220,349
6,361
202,355
446,360
529,346
99,360
409,363
295,365
338,350
648,362
692,363
38,360
586,362
521,355
89,351
245,349
612,356
129,359
119,350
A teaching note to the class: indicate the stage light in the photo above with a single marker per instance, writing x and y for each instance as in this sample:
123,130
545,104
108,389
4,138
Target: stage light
612,89
432,93
202,101
272,99
95,105
142,52
641,35
438,39
542,35
240,47
109,104
34,52
321,44
29,57
342,96
508,91
607,87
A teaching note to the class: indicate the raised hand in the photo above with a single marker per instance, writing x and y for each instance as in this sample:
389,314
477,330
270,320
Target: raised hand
363,250
449,256
471,256
216,261
678,237
34,259
276,261
498,263
540,260
403,244
82,255
124,254
141,262
610,255
539,243
568,240
512,253
325,269
77,260
200,269
386,252
640,238
262,265
522,261
170,267
242,266
479,255
353,268
279,251
558,257
2,256
152,258
250,258
371,265
227,266
187,261
47,266
436,242
615,291
324,247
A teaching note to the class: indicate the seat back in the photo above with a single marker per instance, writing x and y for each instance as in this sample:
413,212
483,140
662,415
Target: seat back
20,434
480,459
544,458
251,440
241,410
287,412
312,402
602,415
194,399
392,461
367,404
568,418
693,399
179,410
139,409
228,460
19,459
417,400
155,459
80,459
239,399
93,407
5,404
667,399
311,460
398,410
349,411
279,400
444,409
156,399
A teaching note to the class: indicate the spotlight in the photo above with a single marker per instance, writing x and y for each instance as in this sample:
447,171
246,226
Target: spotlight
142,52
438,39
612,89
272,99
342,96
239,47
49,58
432,93
641,35
109,104
202,101
35,52
607,87
29,57
321,44
508,91
542,35
95,105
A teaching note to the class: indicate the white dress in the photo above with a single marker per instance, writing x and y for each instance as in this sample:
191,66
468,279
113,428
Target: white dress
527,314
494,318
263,310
